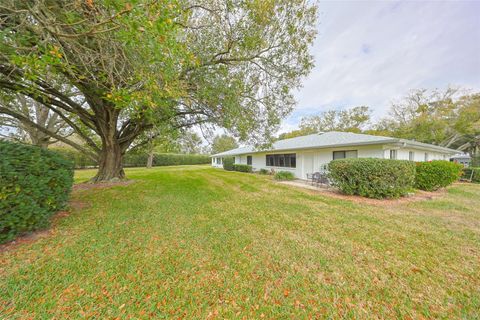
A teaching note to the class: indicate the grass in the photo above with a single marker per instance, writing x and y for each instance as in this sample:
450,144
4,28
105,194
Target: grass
195,242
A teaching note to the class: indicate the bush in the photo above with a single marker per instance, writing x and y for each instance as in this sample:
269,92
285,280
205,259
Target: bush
476,175
34,184
228,163
436,174
475,161
467,172
80,160
284,175
263,171
373,178
164,159
242,168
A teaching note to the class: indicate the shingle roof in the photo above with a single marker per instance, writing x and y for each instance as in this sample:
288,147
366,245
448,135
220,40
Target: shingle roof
330,139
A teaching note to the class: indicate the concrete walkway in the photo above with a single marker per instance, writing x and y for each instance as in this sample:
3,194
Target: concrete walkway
307,185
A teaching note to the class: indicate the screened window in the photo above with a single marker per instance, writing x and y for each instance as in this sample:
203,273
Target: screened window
426,156
411,156
345,154
281,160
393,154
249,160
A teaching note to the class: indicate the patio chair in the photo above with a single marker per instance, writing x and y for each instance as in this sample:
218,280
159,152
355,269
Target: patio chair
316,178
323,179
313,177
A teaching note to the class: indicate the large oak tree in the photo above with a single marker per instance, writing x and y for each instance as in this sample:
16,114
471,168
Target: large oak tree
137,64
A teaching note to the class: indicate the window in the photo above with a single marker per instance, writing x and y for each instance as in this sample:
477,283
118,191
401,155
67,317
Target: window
426,156
249,160
219,160
281,160
393,154
345,154
269,161
411,156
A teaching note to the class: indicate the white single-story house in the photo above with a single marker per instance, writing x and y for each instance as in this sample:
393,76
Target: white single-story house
308,154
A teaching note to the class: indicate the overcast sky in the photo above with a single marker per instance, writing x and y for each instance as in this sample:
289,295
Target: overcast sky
369,53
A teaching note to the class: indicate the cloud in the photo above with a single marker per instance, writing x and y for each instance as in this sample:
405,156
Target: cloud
370,53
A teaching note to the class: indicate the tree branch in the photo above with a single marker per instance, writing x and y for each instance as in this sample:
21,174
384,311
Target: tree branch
25,120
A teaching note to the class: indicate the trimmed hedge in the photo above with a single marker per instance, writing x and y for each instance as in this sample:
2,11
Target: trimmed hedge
228,163
263,171
373,178
136,159
80,160
34,184
284,175
436,174
242,168
165,159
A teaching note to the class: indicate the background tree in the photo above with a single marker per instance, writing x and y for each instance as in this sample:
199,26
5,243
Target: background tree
190,143
297,133
354,119
178,63
30,111
223,143
350,120
448,118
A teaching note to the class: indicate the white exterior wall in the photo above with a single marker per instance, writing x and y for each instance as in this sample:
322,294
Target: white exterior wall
311,160
419,155
215,164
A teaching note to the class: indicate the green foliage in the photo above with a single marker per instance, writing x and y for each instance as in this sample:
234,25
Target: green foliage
34,184
297,133
467,173
171,63
437,174
242,167
475,160
223,143
349,120
441,117
476,175
228,163
79,159
373,178
263,171
284,175
165,159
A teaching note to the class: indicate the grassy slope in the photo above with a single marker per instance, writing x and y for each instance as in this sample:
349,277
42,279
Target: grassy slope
197,242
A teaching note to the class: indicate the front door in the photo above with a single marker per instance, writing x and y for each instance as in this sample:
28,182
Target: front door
307,164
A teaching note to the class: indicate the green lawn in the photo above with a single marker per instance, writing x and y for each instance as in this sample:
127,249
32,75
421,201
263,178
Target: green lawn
195,242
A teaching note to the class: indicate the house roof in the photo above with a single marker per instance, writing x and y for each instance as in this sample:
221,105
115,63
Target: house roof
332,139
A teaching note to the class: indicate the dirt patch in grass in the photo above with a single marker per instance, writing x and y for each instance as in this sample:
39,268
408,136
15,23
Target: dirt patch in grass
101,185
418,196
33,236
24,239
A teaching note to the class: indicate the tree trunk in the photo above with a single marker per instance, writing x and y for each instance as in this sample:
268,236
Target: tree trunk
150,159
110,165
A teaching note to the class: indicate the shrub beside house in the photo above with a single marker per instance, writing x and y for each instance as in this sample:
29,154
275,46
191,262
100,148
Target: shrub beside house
431,176
373,178
385,178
